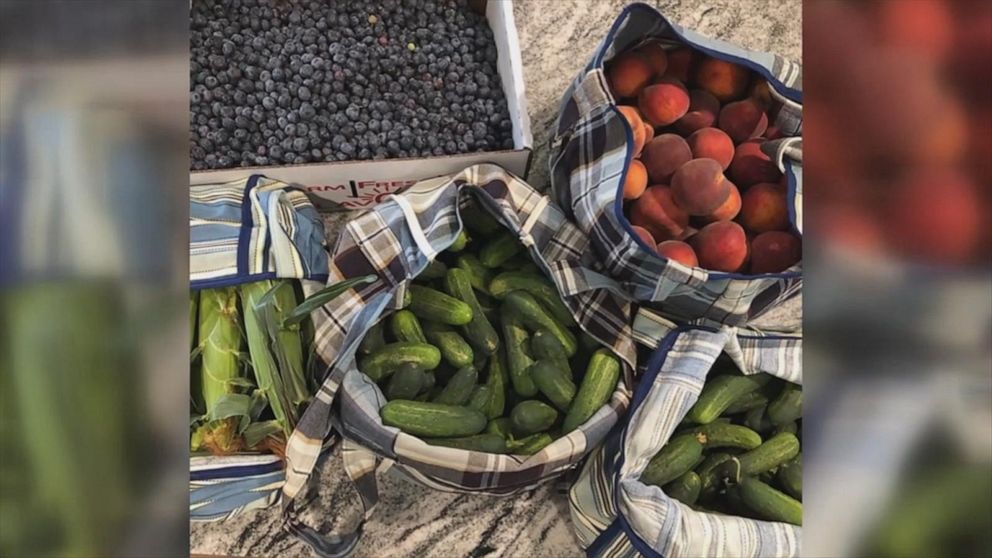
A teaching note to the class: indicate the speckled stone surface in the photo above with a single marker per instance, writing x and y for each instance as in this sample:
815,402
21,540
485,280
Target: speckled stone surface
557,37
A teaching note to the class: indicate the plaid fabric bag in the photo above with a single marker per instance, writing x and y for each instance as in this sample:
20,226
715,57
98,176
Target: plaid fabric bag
241,232
614,514
396,241
589,155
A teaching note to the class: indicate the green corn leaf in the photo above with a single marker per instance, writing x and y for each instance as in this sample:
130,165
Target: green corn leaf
324,296
258,431
236,405
267,375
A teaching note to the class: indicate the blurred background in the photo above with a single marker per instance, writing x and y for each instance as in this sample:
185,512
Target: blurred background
898,291
93,272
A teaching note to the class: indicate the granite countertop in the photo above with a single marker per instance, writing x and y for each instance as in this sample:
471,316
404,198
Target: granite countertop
557,37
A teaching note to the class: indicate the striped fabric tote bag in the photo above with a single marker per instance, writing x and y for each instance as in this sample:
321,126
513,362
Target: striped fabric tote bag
614,513
592,145
396,241
241,232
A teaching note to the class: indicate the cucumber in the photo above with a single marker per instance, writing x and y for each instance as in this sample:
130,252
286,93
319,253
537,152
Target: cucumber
479,400
685,489
544,345
535,317
777,450
789,427
723,434
375,339
406,383
747,402
720,392
501,426
499,250
597,386
769,503
479,221
673,461
430,378
478,331
434,270
517,360
431,304
405,327
756,420
790,477
707,472
532,416
496,382
459,388
432,419
531,444
788,406
478,274
486,443
454,349
460,242
542,289
553,382
387,359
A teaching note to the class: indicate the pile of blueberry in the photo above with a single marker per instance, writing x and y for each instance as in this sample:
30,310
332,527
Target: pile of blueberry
276,82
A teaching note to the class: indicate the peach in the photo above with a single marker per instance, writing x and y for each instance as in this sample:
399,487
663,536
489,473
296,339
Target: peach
764,208
678,251
720,246
751,166
664,102
663,155
702,113
743,120
712,143
655,56
699,187
679,63
644,234
636,180
774,252
636,126
761,94
628,74
658,213
725,80
648,132
727,210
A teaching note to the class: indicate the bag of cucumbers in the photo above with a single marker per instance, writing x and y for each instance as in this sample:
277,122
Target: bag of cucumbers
486,358
709,460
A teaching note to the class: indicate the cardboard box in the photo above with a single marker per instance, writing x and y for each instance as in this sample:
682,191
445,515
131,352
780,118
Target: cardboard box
362,184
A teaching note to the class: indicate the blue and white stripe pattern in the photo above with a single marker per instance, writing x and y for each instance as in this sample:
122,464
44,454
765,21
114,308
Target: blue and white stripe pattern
588,161
220,487
615,514
252,230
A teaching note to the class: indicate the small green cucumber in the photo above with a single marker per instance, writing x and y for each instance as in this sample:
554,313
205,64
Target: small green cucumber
789,427
406,382
555,383
434,270
375,339
720,392
596,388
387,359
532,416
459,388
432,304
685,489
460,242
430,378
756,419
788,406
485,443
478,274
479,332
501,426
496,382
432,419
542,289
406,327
544,345
535,317
673,461
707,472
454,349
532,444
479,400
517,360
723,434
479,221
499,250
769,503
790,477
775,451
747,402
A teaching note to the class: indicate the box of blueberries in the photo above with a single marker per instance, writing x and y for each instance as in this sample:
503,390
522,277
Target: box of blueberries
354,100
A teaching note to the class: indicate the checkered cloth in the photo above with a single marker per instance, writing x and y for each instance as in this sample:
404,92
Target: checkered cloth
395,242
589,155
613,513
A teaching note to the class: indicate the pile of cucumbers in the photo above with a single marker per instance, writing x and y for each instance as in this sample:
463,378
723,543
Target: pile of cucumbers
738,450
484,355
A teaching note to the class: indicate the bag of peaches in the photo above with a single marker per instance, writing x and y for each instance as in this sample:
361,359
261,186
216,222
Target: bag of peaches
681,157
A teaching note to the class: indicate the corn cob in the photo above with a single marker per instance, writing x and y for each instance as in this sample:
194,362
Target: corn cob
220,343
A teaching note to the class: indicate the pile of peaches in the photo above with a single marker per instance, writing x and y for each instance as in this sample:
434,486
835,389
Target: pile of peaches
698,188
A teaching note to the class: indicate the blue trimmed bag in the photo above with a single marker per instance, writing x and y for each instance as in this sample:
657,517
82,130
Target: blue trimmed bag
241,232
615,514
589,154
396,241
